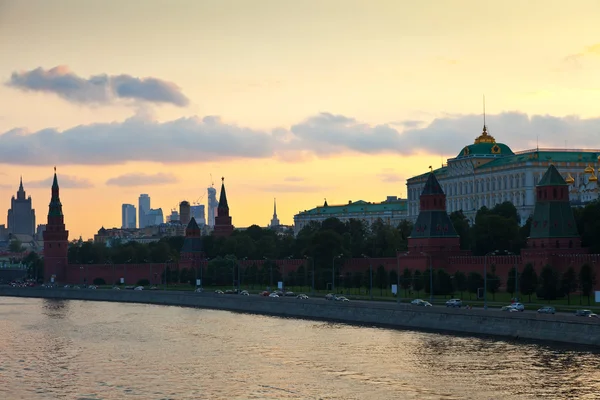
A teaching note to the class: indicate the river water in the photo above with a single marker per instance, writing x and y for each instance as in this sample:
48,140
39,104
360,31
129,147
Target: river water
53,349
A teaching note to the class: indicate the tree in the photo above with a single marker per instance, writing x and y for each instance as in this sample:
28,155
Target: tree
549,283
528,281
15,246
407,280
569,283
510,281
417,282
460,282
461,225
587,279
381,279
474,282
493,282
444,283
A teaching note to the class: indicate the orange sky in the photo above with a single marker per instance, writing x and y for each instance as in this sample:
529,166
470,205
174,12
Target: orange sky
341,100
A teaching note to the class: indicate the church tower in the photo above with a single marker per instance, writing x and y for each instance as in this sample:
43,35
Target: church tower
223,226
433,231
553,224
56,239
274,221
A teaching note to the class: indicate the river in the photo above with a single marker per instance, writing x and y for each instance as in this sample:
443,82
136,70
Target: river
53,349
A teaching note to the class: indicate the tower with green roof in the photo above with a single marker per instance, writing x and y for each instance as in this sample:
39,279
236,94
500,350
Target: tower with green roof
553,223
56,239
433,231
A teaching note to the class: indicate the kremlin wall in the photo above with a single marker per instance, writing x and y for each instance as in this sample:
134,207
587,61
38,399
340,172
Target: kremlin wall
433,242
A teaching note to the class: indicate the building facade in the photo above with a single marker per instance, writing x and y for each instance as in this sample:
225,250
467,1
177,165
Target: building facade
487,173
21,216
197,212
275,220
392,211
143,210
128,216
185,213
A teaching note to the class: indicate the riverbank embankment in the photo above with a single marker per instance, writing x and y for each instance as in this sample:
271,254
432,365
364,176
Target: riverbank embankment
562,328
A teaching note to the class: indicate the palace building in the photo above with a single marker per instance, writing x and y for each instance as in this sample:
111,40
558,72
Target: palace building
487,173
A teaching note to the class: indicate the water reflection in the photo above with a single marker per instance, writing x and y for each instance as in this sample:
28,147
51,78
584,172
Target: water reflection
72,349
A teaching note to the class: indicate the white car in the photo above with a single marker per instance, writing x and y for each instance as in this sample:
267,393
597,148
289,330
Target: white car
514,307
273,295
455,303
422,303
139,288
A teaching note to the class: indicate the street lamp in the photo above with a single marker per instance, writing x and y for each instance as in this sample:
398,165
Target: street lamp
491,253
240,274
125,271
398,277
165,272
370,276
313,274
271,273
430,277
333,272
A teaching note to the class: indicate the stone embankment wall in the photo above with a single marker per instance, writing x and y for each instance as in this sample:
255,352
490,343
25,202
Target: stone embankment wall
558,328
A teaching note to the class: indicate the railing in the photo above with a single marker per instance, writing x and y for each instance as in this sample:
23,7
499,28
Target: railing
554,150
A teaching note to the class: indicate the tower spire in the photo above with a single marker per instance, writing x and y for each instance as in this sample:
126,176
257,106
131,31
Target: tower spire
484,127
274,207
21,183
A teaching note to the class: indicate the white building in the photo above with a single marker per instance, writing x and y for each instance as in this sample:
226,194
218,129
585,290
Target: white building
128,217
391,211
487,173
213,204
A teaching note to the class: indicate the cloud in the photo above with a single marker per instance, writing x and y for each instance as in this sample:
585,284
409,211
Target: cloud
294,179
576,58
388,176
64,181
140,179
97,89
141,139
286,188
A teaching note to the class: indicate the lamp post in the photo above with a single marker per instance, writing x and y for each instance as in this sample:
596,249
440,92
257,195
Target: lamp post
166,273
370,276
80,271
271,273
491,253
125,272
430,277
398,277
240,275
313,274
333,272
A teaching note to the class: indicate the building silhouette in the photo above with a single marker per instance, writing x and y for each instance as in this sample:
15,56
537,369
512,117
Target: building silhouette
56,239
143,210
184,212
21,215
223,226
213,205
274,221
128,216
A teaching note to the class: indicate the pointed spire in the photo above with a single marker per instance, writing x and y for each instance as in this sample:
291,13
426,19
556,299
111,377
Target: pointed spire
55,204
432,186
223,197
484,127
21,183
274,207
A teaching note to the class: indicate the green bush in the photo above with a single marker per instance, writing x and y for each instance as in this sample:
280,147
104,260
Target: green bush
143,282
99,281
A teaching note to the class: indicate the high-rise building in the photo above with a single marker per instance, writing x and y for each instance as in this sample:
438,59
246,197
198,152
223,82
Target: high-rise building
143,210
154,217
184,212
173,217
128,218
198,214
21,216
213,205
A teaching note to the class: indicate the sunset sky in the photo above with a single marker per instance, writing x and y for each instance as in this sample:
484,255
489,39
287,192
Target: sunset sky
298,100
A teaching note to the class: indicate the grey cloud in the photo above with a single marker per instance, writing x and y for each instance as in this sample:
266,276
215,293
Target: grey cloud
294,179
196,140
389,177
140,179
65,181
98,89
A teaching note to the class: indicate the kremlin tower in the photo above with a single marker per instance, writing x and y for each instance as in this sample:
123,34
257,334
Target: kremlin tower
56,239
223,226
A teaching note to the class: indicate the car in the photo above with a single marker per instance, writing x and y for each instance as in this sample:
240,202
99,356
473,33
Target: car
219,291
116,288
518,306
289,294
330,296
584,313
454,303
198,290
273,295
264,293
422,303
139,288
302,297
341,298
546,310
244,293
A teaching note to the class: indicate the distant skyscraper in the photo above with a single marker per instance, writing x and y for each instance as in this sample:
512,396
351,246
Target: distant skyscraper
198,214
213,204
128,220
274,220
21,216
154,217
143,210
184,212
173,217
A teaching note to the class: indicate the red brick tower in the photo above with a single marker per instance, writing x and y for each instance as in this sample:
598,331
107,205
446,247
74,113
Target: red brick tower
191,254
223,226
433,231
56,239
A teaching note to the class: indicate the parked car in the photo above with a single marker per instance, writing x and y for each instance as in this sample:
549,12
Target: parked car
518,306
244,293
198,290
290,294
422,303
341,298
455,303
302,297
264,293
139,288
546,310
219,291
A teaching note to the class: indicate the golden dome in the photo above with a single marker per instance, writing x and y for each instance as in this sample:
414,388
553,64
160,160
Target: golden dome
485,137
593,178
569,179
589,169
